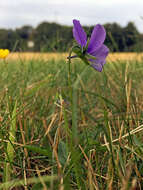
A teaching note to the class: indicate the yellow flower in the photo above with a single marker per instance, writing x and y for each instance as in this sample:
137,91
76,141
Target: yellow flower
4,53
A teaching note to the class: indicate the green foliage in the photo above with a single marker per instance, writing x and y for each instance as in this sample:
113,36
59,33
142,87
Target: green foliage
52,37
8,38
9,158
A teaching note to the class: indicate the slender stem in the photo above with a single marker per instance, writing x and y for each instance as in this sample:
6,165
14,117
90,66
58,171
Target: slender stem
75,107
69,74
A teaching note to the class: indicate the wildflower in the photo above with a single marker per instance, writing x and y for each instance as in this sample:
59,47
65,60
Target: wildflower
4,53
93,52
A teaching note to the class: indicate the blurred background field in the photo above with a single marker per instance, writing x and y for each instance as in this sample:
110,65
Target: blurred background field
124,56
54,37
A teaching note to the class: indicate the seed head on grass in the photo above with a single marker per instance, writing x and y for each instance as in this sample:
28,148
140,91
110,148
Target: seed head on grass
93,52
4,53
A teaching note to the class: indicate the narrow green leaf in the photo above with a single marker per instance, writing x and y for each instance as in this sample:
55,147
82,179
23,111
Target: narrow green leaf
10,148
39,150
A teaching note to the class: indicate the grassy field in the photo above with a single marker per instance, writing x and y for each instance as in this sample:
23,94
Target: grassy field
83,134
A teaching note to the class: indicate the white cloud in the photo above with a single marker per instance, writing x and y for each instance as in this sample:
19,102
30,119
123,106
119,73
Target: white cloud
16,13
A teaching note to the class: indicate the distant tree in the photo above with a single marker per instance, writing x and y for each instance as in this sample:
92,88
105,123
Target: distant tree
66,38
8,39
115,39
58,38
24,34
138,46
131,36
45,36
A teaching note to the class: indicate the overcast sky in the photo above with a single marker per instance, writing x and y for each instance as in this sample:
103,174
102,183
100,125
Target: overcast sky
16,13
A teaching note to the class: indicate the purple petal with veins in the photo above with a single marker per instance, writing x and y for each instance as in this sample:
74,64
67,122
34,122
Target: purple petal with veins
98,67
96,48
79,34
97,38
100,54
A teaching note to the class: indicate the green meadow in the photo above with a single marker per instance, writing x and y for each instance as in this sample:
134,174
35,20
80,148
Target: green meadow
83,131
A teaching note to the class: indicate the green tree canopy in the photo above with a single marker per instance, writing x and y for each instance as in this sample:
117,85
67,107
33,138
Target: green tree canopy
53,37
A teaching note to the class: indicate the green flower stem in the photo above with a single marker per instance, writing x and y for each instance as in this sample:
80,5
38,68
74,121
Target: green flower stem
75,107
69,74
73,94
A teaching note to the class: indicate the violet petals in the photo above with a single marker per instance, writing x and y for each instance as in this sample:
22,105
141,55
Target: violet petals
96,48
79,34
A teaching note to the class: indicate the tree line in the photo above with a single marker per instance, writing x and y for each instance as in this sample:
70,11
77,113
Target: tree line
53,37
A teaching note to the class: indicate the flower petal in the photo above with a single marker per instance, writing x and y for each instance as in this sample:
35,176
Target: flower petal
79,34
97,38
98,67
100,54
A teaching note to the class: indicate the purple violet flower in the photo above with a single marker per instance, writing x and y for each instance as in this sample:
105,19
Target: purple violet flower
92,52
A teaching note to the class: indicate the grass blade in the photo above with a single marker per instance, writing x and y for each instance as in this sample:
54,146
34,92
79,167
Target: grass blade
10,148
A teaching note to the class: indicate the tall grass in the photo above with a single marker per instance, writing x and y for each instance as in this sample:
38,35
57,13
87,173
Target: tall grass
50,140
